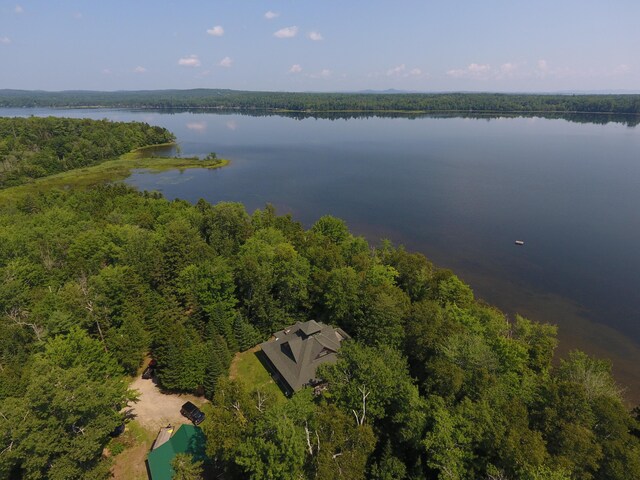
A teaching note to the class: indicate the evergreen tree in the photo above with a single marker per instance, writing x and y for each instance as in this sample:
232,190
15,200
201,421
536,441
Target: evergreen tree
217,364
214,369
221,322
221,350
246,335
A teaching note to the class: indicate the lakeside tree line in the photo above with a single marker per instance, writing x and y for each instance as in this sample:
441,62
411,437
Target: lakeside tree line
36,147
318,102
90,281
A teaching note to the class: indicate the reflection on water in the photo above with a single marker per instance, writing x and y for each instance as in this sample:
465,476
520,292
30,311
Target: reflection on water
594,118
459,189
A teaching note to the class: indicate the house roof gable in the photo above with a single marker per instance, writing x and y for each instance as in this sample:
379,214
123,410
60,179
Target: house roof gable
310,344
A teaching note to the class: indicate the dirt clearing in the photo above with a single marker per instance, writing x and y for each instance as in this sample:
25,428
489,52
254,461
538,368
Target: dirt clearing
155,409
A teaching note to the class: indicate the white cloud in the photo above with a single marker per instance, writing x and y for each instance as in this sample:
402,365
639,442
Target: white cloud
296,68
479,69
271,15
474,70
508,70
315,36
18,9
5,40
216,31
455,73
396,70
325,73
401,71
190,61
621,70
139,69
225,62
288,32
106,71
197,126
542,68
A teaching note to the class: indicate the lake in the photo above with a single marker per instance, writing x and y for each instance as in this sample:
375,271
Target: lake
461,190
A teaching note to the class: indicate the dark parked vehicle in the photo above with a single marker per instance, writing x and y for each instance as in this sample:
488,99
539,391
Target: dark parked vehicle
192,412
150,370
119,430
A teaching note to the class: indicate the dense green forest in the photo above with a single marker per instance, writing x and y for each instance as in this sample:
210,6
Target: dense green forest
245,100
93,280
435,384
37,147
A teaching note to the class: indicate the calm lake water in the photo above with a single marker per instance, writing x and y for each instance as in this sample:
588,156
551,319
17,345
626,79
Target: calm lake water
459,190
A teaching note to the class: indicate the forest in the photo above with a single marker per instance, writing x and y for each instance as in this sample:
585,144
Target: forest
327,102
37,147
434,384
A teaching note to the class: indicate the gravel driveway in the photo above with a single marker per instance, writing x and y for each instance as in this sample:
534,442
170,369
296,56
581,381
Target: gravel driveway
155,409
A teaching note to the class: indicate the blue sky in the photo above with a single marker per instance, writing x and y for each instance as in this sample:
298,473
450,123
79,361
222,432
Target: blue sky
328,45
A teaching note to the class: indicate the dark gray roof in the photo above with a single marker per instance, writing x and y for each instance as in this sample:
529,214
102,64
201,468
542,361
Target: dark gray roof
298,350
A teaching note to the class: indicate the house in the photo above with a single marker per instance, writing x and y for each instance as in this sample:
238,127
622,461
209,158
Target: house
187,439
297,351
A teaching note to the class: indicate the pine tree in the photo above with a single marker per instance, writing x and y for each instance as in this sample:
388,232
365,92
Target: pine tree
214,369
221,349
246,335
221,322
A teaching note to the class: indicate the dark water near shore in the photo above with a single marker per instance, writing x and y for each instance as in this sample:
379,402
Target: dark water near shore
460,190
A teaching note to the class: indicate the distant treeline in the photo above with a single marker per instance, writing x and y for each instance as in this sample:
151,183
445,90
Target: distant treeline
324,102
36,147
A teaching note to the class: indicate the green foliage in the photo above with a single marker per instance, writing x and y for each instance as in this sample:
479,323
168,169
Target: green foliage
272,278
224,226
182,358
332,228
217,361
343,447
449,289
58,428
539,340
185,468
388,467
276,451
591,374
245,334
342,296
36,147
379,373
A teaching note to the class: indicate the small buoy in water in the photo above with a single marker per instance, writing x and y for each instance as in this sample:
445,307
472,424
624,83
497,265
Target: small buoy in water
520,242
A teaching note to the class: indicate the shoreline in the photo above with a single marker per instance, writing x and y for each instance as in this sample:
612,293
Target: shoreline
110,171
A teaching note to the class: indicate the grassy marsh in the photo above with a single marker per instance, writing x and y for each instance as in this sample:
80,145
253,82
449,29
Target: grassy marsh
105,172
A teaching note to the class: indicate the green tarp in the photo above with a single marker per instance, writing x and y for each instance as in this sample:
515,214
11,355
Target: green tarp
187,439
